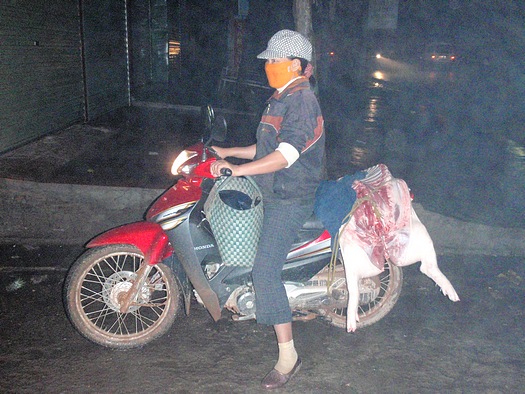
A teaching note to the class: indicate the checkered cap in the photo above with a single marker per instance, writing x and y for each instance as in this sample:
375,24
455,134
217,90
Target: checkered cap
287,43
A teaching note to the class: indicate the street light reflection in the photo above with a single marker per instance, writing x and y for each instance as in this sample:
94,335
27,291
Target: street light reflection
517,150
359,157
372,110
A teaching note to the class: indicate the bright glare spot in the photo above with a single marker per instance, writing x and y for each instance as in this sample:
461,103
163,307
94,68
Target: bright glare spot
378,56
379,75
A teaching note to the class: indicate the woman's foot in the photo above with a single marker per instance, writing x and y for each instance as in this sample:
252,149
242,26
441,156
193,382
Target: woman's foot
276,379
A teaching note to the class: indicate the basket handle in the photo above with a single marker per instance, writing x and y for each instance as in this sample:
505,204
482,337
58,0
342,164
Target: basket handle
248,178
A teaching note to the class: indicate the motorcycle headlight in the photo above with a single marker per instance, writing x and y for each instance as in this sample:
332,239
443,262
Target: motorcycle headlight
180,165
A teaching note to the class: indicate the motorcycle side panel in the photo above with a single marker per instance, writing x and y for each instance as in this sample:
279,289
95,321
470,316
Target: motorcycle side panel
148,237
185,190
205,249
181,239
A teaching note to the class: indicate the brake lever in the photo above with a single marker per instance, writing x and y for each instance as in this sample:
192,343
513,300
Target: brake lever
213,152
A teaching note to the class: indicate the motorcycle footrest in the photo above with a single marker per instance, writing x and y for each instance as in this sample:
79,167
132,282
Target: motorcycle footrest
242,318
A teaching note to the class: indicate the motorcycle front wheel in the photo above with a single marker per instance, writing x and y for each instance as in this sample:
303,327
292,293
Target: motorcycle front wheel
377,297
95,286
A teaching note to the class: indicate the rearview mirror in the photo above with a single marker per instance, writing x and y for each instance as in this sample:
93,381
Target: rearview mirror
208,115
219,129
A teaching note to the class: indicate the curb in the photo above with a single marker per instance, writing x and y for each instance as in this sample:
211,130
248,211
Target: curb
51,213
454,236
67,214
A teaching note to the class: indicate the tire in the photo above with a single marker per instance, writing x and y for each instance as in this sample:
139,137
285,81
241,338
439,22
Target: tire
94,284
376,302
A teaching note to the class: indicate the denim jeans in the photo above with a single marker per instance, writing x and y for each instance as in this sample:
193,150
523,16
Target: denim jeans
282,221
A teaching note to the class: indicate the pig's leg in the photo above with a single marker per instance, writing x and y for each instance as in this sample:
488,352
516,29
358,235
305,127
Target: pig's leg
421,248
357,265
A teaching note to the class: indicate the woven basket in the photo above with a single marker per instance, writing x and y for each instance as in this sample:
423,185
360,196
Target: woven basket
235,211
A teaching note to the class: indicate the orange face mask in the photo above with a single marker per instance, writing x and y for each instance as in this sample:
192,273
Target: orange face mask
279,74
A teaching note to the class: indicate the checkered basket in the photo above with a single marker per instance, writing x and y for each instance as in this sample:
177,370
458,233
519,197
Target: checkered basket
235,211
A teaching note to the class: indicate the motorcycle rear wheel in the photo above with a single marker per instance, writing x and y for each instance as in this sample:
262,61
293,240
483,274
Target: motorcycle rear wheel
93,290
371,308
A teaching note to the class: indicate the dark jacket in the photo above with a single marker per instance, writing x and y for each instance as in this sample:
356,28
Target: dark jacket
294,117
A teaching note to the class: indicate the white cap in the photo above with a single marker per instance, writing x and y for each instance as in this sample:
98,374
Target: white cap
287,43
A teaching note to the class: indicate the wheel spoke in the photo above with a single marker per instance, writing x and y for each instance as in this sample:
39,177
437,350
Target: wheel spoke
144,319
92,300
99,277
113,265
117,324
100,314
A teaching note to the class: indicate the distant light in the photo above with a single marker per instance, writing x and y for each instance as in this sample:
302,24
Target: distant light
173,49
378,56
379,75
331,53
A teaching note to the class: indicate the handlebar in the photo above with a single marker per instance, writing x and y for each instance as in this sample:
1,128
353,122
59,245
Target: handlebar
226,172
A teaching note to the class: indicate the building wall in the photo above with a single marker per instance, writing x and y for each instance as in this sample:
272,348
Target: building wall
40,69
141,52
105,55
61,62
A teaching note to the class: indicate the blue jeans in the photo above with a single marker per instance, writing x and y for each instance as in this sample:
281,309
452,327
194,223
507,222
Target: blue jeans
282,221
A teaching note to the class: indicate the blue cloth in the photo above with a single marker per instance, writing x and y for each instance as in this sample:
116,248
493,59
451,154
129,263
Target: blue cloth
334,200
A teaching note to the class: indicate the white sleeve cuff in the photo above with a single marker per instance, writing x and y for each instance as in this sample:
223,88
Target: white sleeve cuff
289,152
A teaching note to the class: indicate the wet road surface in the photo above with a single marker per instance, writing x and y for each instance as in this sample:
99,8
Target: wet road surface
427,344
457,159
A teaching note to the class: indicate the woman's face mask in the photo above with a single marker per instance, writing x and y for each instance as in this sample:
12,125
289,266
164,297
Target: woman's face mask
279,74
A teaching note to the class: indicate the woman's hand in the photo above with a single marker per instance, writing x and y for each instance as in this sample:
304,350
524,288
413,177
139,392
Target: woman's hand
218,165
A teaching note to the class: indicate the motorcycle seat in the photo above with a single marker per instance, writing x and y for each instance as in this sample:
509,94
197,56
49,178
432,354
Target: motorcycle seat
310,230
313,223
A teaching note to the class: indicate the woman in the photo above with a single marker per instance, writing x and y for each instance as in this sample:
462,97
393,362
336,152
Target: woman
287,164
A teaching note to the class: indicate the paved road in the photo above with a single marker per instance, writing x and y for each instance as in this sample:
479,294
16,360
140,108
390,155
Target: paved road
427,344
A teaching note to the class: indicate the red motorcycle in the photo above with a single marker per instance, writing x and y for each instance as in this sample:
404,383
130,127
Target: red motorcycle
126,289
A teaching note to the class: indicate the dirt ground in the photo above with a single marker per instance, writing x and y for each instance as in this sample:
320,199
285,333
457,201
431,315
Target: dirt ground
427,344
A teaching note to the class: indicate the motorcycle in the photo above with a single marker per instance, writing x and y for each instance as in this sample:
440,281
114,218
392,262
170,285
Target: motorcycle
128,287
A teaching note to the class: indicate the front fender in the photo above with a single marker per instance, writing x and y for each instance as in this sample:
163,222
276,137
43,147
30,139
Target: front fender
148,237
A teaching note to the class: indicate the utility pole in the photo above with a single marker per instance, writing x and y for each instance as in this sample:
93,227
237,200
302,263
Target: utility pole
302,14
